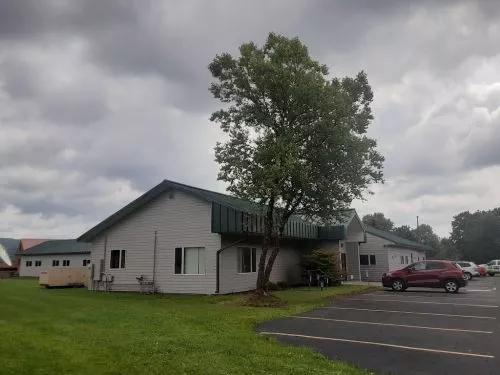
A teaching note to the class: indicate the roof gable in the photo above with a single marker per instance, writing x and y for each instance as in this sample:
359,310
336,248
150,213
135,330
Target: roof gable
237,205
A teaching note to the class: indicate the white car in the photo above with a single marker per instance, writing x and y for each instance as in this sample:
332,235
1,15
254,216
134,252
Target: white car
470,269
493,267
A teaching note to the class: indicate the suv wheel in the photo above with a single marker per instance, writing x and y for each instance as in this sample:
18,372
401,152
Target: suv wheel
467,276
398,285
451,286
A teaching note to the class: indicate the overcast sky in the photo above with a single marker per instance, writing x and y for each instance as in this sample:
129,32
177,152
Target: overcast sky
101,100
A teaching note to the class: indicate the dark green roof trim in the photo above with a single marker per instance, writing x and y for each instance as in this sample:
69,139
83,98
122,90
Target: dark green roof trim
229,215
58,247
398,241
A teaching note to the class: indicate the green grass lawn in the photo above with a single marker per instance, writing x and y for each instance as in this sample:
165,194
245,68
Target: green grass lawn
74,331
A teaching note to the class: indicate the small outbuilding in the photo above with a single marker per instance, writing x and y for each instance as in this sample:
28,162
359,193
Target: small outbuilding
51,254
385,252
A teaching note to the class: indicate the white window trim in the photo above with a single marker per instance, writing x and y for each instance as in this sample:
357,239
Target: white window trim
119,260
182,261
239,260
369,260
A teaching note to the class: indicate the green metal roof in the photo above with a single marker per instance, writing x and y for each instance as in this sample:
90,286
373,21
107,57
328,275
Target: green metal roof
53,247
229,215
399,241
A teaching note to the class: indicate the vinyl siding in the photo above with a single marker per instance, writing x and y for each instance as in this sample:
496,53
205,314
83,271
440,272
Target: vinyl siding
355,231
395,255
180,221
374,246
76,260
388,258
286,267
352,260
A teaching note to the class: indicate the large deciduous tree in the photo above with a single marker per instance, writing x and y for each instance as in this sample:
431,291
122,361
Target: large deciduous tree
297,140
379,221
405,231
476,236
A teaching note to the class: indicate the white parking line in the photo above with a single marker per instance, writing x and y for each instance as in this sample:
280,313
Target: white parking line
380,344
480,290
411,297
410,312
390,324
420,302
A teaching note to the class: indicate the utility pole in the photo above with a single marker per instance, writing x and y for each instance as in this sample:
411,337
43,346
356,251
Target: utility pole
417,222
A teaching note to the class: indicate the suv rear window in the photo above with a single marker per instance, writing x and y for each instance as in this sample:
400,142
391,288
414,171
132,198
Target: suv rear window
436,266
464,264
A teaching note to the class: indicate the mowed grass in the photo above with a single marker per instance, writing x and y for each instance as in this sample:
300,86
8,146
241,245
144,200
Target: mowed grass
74,331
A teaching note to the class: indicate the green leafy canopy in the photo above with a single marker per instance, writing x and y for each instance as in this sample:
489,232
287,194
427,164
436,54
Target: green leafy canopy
296,138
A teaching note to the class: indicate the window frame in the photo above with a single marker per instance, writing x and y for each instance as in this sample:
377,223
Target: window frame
122,254
28,263
85,262
367,260
413,266
253,260
442,266
55,262
183,257
38,263
66,262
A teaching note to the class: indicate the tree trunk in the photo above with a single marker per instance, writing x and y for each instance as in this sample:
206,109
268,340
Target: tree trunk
268,232
274,254
272,258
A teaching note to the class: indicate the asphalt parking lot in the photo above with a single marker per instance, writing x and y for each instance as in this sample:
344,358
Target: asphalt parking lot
420,331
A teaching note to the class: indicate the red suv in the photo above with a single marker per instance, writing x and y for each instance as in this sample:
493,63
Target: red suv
429,274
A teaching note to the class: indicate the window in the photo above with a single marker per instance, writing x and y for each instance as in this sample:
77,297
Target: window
38,263
418,266
435,266
402,259
66,263
406,259
86,262
373,259
364,260
117,259
55,263
247,259
29,263
190,260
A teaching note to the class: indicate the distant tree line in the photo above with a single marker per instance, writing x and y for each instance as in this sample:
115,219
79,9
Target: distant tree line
474,236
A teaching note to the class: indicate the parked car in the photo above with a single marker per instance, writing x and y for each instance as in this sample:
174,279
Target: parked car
470,269
493,267
483,270
429,273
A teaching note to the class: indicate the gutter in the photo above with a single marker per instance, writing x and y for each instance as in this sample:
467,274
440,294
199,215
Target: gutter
217,285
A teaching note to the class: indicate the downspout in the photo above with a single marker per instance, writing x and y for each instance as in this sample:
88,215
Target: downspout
217,266
154,261
359,264
104,264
